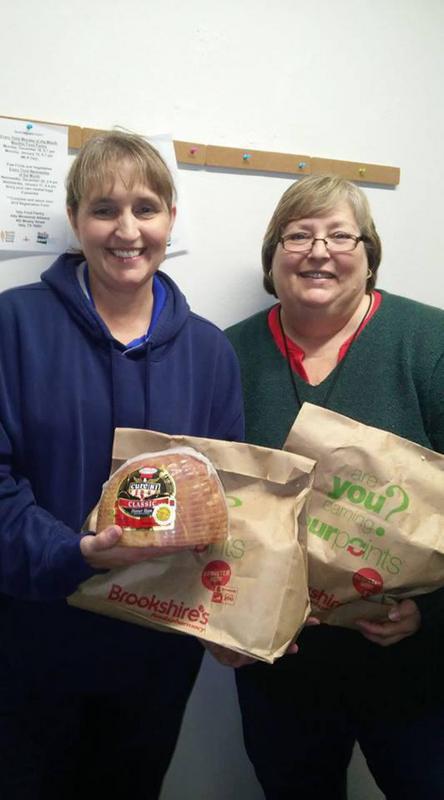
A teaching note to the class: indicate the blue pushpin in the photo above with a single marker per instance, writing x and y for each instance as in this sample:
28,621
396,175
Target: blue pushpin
29,126
302,164
246,157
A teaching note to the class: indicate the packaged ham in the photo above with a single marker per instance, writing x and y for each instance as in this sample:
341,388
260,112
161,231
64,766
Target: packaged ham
172,498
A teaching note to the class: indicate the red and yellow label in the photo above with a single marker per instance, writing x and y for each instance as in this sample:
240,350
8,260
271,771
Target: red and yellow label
146,499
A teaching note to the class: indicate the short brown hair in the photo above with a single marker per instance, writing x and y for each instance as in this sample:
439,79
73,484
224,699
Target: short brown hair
94,166
315,195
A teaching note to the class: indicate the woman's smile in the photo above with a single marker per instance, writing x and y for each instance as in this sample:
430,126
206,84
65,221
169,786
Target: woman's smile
317,277
127,255
123,231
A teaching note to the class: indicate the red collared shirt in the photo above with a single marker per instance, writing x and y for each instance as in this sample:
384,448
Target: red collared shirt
296,353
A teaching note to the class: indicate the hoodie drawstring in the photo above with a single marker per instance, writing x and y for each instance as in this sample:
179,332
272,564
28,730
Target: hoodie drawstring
112,356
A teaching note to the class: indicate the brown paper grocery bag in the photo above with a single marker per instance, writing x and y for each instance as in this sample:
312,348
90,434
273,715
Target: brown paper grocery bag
375,516
249,592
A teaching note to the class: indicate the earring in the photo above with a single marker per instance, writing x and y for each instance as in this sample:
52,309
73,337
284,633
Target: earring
369,273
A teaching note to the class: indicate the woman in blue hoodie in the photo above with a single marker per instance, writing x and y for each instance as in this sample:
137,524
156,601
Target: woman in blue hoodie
104,340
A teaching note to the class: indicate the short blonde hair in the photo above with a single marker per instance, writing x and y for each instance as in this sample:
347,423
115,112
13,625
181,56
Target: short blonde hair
312,196
95,166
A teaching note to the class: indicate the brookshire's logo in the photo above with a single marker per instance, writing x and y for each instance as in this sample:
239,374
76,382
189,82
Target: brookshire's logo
167,610
323,599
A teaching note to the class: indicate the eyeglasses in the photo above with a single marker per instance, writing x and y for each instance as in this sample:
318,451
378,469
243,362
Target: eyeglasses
301,242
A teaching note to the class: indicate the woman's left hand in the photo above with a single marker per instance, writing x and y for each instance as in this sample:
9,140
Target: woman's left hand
227,657
404,619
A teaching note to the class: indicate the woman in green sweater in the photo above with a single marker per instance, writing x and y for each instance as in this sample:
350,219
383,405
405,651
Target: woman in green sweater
334,341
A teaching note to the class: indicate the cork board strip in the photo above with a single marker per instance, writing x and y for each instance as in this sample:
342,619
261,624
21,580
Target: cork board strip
257,160
88,133
296,164
186,152
191,153
356,171
284,163
202,155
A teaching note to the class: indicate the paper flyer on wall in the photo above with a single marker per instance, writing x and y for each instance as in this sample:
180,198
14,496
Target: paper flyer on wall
33,166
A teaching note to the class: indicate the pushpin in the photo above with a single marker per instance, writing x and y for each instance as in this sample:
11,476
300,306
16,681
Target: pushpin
362,171
193,150
29,126
302,165
246,157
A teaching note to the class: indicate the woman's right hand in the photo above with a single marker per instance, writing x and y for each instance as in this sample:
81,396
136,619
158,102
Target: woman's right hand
227,657
103,551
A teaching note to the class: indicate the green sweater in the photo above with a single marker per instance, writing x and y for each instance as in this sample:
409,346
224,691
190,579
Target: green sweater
392,378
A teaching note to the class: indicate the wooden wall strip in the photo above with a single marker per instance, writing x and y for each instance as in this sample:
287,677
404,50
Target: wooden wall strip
88,133
255,160
356,171
190,152
74,137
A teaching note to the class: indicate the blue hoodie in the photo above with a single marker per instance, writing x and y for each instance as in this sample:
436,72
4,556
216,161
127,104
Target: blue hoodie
65,385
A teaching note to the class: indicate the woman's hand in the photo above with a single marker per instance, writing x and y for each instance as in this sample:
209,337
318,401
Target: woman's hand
404,619
102,551
227,657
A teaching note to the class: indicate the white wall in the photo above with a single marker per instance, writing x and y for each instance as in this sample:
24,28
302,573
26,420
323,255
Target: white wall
350,79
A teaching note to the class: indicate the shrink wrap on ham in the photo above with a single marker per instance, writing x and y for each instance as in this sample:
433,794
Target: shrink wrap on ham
172,498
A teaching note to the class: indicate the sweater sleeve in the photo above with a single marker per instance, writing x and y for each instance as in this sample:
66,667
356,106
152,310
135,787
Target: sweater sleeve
431,605
40,557
437,407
